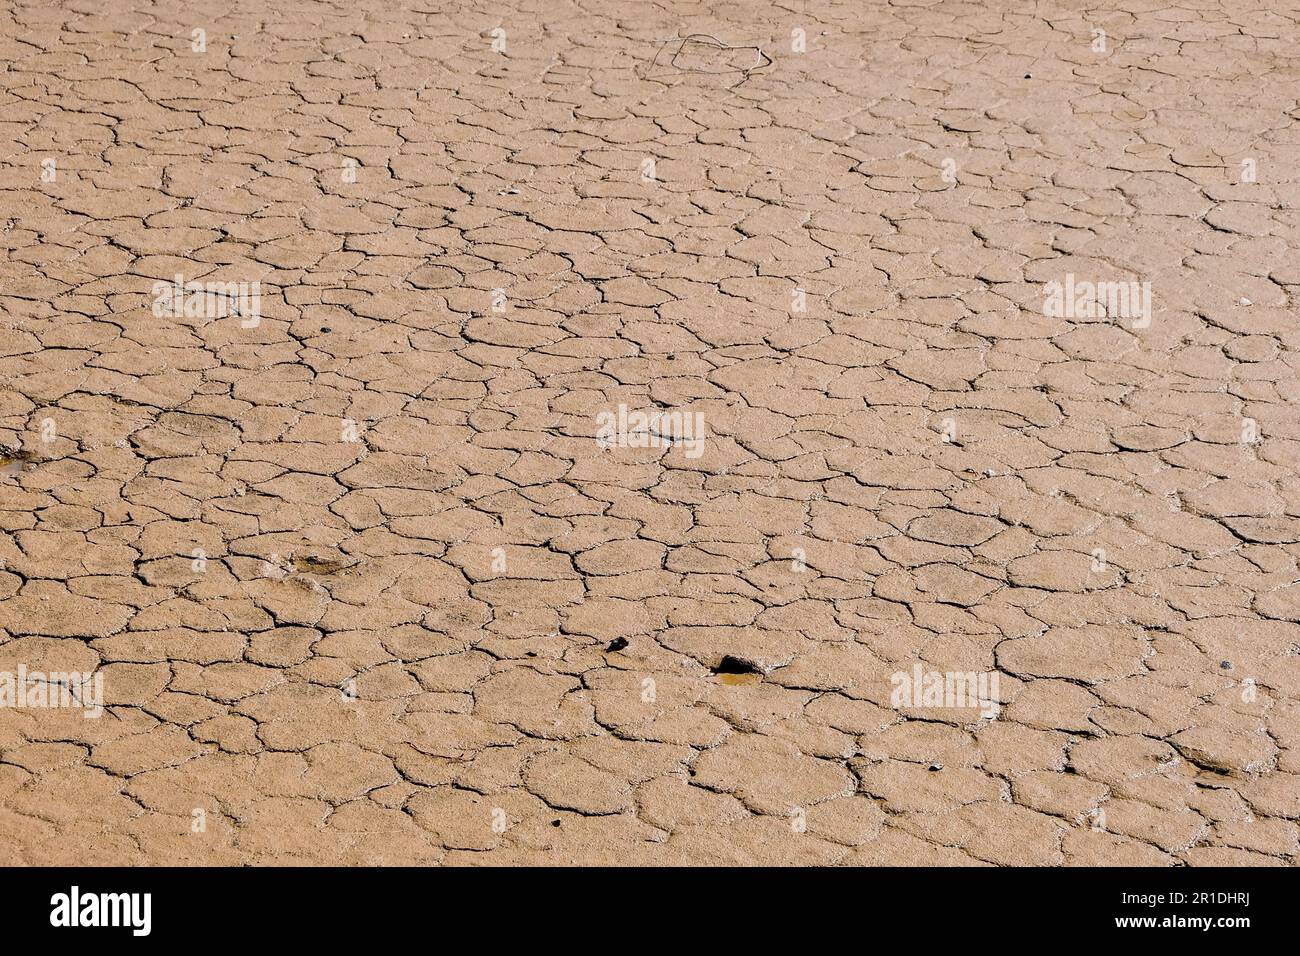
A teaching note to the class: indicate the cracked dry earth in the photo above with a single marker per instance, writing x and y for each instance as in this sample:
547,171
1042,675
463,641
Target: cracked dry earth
362,585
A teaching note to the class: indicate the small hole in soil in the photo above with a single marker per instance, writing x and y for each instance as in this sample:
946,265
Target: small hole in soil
734,665
734,671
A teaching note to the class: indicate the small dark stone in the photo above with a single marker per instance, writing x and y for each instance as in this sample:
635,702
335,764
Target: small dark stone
1226,665
1028,77
555,823
326,330
936,766
617,644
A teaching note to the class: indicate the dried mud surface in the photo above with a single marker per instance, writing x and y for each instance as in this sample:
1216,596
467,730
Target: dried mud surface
279,544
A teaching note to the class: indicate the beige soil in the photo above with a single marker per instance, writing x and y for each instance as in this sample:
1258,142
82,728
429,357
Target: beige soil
361,583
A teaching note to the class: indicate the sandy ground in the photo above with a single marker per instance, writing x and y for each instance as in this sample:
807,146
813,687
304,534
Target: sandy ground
371,569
